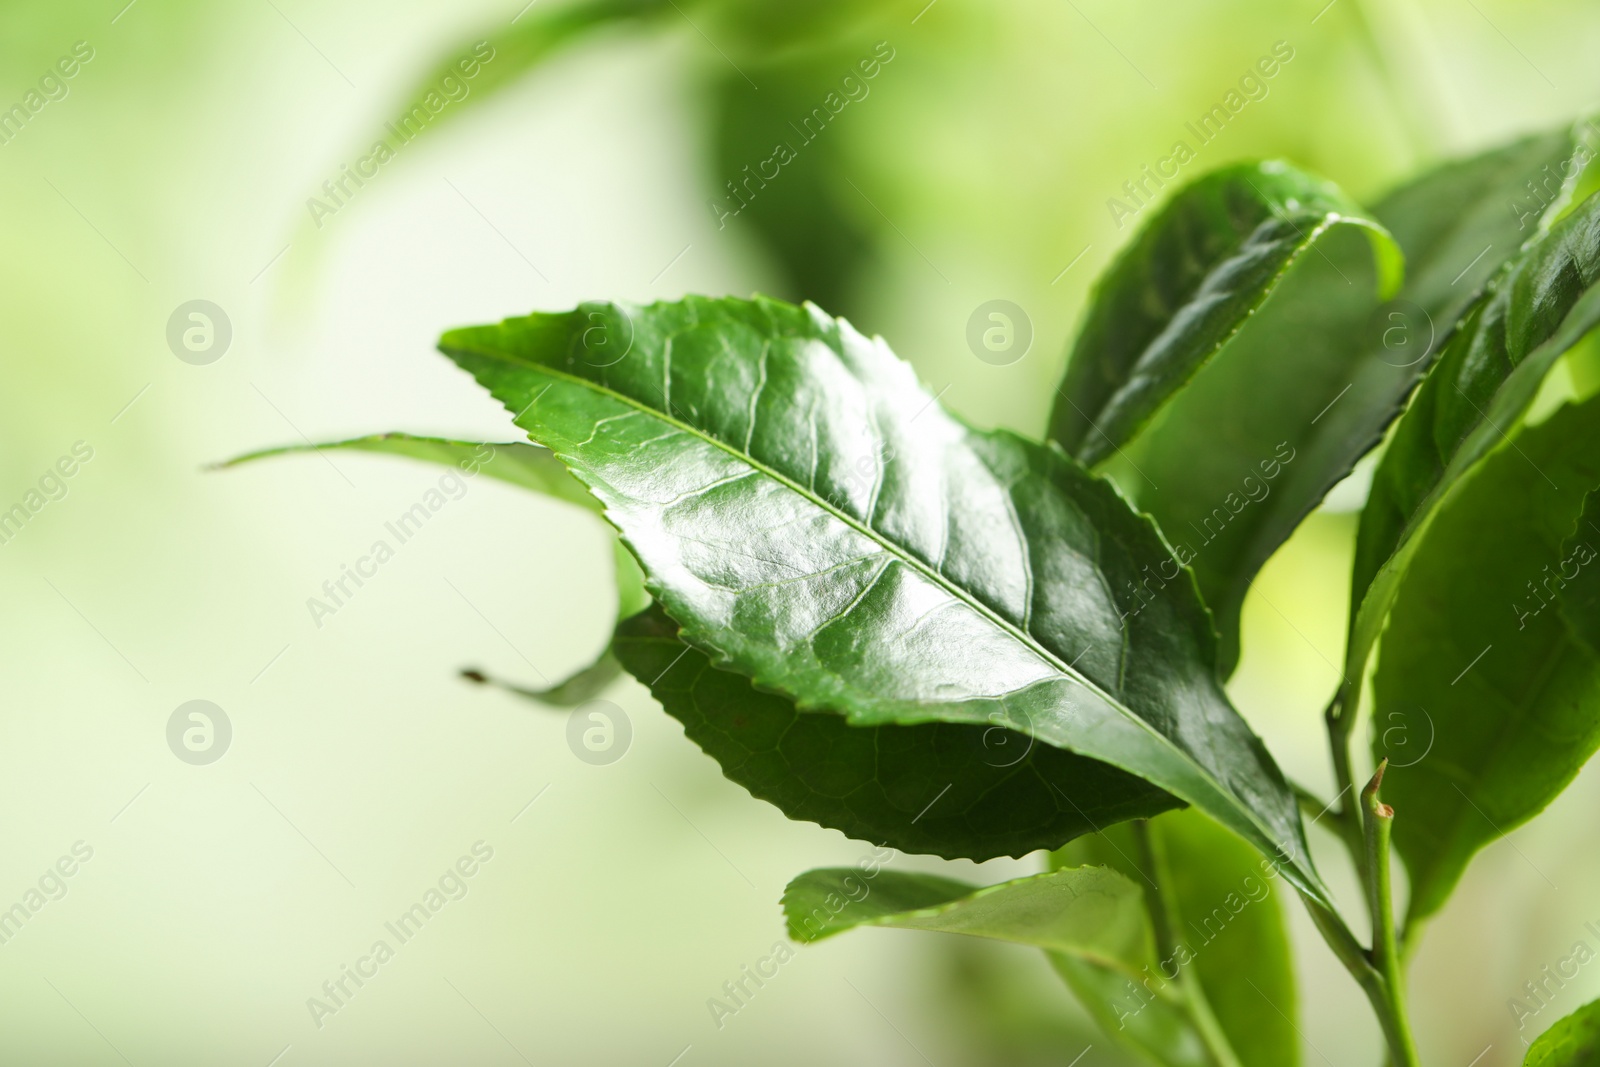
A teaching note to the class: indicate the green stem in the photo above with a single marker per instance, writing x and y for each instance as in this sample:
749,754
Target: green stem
1365,829
1378,818
1340,721
1164,923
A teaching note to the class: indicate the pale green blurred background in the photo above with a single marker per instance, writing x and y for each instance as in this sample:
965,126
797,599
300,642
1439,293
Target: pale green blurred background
219,898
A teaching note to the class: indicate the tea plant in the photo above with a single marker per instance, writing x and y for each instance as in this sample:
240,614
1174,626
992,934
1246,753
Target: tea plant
970,644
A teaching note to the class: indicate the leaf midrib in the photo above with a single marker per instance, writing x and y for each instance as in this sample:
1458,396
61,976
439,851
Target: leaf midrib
1022,637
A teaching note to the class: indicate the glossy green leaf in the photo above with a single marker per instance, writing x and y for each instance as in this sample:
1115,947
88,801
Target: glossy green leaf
1573,1041
1230,936
518,463
1541,304
1090,912
952,790
1186,285
1483,700
1325,368
815,521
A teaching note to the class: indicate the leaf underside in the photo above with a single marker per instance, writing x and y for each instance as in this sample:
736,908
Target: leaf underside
1230,933
1090,912
946,789
1573,1041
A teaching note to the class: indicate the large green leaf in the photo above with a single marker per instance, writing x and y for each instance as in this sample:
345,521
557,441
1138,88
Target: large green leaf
953,790
1326,369
1541,304
1480,686
520,464
1186,285
1090,912
814,520
1230,936
1574,1041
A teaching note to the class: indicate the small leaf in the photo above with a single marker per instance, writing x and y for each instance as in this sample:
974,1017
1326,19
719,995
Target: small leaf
1484,702
1326,368
583,686
949,789
1089,912
1572,1042
1541,304
517,463
1186,285
813,519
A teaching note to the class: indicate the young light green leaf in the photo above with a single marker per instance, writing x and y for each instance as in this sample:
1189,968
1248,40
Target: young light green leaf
815,521
1573,1041
953,790
1229,936
1483,701
518,463
1327,368
1192,277
1541,304
1088,912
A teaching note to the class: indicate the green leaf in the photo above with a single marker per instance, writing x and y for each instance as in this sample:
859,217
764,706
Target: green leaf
1540,304
953,790
1085,911
1572,1042
1483,700
1228,482
1230,935
812,519
1186,285
518,463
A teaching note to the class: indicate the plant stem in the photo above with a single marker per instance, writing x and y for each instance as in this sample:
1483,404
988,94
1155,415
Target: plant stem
1164,923
1365,829
1340,720
1378,818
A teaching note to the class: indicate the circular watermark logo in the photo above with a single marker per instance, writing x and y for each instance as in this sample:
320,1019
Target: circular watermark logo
1004,746
1406,737
607,336
199,732
599,732
1401,333
999,332
198,332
